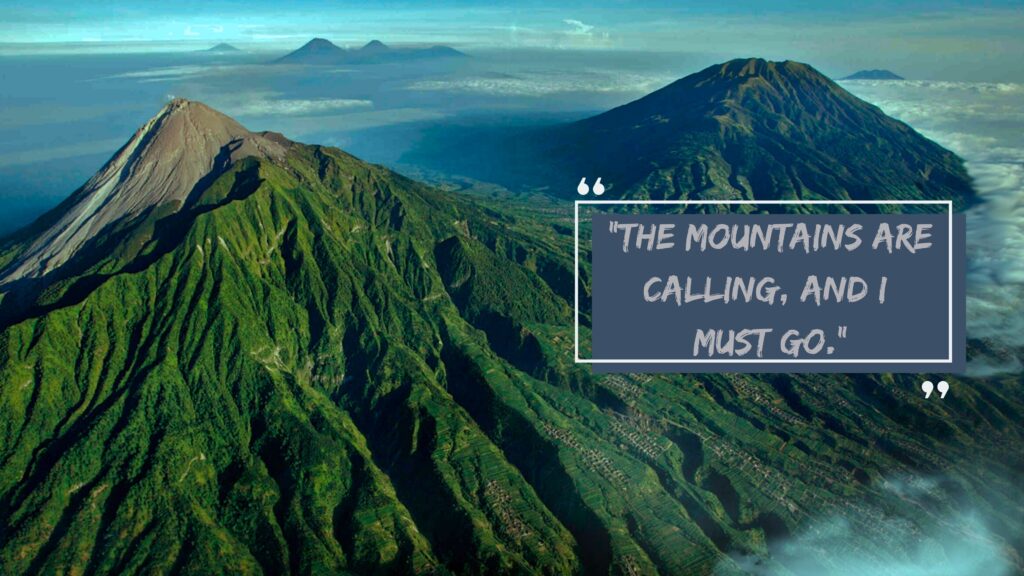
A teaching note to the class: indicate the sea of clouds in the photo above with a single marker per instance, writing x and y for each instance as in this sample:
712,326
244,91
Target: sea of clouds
540,83
867,537
982,122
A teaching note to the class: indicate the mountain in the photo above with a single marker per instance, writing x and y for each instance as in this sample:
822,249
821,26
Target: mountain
747,128
222,48
322,52
317,51
375,46
274,358
873,75
156,171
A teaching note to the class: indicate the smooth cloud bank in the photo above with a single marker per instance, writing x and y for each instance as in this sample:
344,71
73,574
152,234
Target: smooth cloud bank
868,539
983,123
263,106
543,84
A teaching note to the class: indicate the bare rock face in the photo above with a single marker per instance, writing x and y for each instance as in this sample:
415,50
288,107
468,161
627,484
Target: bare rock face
161,165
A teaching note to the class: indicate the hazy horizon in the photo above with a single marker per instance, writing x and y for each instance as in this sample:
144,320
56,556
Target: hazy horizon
944,40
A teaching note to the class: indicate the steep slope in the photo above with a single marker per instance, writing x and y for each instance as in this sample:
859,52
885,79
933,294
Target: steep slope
317,366
236,361
745,129
158,169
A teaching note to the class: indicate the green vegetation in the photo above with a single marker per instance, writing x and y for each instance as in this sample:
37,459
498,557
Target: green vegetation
322,367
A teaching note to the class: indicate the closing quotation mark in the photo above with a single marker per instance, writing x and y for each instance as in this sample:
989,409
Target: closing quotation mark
927,387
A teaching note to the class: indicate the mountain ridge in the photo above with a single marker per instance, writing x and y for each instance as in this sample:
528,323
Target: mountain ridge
319,366
320,51
354,255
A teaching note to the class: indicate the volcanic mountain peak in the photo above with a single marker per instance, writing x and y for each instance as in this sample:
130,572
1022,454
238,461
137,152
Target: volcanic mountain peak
742,67
873,75
747,128
724,81
755,73
316,51
749,94
320,44
223,47
375,46
160,165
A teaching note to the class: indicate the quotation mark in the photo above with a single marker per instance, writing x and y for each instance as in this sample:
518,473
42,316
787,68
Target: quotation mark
584,189
927,387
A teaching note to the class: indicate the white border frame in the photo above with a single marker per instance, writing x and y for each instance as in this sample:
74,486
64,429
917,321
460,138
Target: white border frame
722,361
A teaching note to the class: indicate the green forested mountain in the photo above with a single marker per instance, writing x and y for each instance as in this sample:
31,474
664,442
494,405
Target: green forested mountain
744,129
294,362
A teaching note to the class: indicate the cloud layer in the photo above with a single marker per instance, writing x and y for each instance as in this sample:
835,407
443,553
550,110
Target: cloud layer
891,539
536,84
263,105
984,124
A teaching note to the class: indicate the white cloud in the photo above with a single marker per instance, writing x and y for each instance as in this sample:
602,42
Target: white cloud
334,125
49,153
972,87
268,106
578,27
260,104
166,73
544,84
171,73
983,122
190,32
582,35
906,527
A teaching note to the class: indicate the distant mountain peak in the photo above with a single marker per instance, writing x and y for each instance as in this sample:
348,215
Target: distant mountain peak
319,51
375,45
161,165
873,75
316,51
320,43
222,47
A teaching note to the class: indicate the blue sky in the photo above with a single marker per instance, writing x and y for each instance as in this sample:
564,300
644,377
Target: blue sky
475,21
